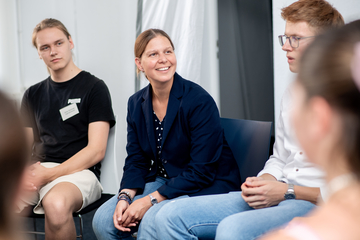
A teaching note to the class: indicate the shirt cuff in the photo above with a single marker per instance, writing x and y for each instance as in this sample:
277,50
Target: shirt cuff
276,173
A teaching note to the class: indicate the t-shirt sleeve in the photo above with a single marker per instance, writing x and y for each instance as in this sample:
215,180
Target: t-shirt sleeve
26,110
100,107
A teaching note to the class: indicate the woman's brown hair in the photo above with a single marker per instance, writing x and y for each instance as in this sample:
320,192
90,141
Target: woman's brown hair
325,71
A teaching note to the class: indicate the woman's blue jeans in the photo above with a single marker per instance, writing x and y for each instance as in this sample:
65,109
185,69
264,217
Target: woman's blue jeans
103,224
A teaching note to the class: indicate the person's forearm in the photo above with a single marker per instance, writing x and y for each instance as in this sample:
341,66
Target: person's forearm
87,157
310,194
29,134
131,191
158,196
84,159
267,176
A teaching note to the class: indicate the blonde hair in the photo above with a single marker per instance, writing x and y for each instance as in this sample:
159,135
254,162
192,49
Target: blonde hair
49,23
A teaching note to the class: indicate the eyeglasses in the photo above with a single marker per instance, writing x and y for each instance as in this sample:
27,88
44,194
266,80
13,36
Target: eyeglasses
294,41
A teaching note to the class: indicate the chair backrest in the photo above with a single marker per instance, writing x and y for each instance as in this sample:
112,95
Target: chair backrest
249,142
109,176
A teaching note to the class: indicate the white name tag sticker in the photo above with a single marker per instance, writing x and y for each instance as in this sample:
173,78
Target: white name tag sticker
69,111
74,100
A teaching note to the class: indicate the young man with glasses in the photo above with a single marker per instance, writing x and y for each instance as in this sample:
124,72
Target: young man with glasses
287,187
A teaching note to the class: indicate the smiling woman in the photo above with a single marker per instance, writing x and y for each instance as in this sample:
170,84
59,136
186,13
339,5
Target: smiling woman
176,146
158,62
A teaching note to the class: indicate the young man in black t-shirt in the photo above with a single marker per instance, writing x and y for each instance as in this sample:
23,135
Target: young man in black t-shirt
68,117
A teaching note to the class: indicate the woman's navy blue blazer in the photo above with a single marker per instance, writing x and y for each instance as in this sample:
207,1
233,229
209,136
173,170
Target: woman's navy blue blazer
194,152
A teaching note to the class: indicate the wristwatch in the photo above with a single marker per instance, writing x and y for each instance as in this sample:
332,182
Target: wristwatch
153,200
290,194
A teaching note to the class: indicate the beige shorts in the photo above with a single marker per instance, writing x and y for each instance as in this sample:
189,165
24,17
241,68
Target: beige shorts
85,180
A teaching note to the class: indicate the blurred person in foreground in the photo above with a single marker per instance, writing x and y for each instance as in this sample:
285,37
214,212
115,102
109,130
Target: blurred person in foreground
287,187
326,118
13,155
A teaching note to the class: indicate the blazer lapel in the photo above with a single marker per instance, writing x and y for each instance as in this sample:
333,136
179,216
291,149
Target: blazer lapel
173,105
148,114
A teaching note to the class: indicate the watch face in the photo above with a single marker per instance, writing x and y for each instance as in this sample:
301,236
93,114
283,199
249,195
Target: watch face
290,196
154,201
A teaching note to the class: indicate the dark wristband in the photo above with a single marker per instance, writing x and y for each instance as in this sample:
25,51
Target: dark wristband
125,198
125,193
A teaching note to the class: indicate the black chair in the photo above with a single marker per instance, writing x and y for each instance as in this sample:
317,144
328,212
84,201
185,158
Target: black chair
91,207
249,142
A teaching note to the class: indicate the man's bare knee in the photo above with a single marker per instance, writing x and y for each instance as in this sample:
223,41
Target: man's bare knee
57,211
60,202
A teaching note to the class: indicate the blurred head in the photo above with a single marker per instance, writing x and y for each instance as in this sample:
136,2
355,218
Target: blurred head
154,55
327,100
305,19
53,43
12,159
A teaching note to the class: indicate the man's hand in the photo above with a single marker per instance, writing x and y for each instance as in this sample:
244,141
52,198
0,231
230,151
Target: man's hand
39,175
261,193
26,181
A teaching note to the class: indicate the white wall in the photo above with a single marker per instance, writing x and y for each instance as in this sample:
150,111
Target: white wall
104,35
9,57
350,9
193,27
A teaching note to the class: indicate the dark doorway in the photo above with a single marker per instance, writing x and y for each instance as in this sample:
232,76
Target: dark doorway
246,59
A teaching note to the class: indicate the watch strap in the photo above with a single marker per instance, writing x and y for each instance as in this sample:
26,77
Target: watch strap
291,187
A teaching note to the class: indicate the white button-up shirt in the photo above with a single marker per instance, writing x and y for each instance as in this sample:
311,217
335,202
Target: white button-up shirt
288,162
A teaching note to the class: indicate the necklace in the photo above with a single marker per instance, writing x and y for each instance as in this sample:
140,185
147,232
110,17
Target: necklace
338,183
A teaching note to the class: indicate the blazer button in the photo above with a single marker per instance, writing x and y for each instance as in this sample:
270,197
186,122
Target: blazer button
164,161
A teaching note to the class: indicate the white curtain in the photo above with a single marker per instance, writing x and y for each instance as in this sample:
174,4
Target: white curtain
10,74
192,26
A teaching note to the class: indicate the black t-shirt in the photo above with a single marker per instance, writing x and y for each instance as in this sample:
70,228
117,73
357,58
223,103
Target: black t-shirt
56,140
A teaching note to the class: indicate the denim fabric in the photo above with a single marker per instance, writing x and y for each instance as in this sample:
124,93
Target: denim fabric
103,224
227,216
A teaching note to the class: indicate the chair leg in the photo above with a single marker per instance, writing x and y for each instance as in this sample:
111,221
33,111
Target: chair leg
34,222
80,226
